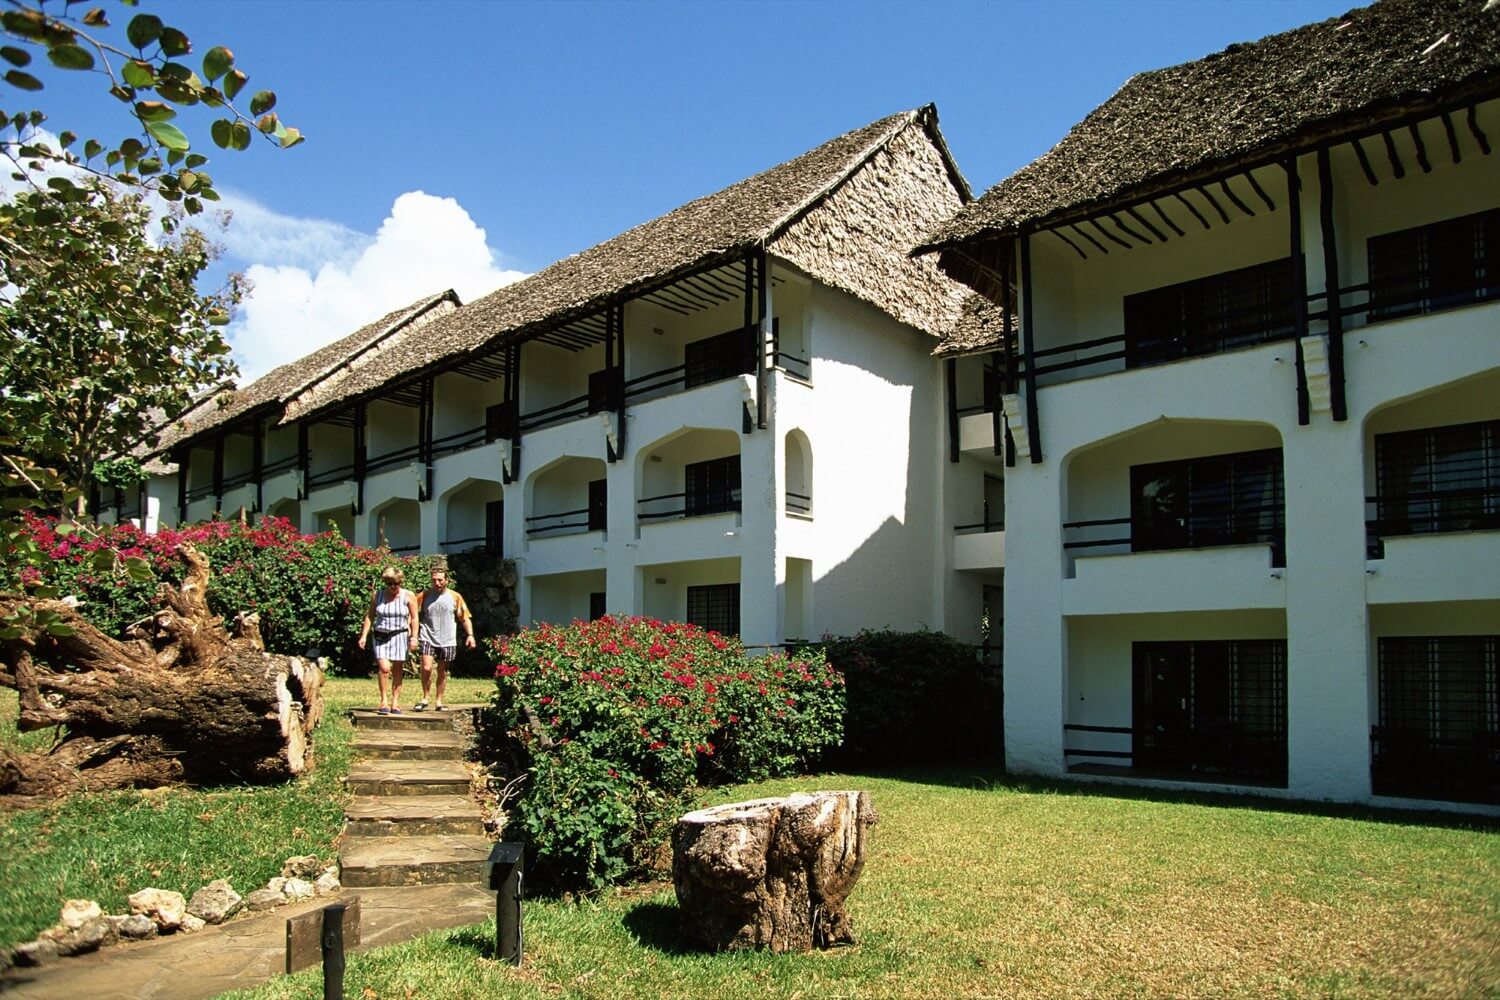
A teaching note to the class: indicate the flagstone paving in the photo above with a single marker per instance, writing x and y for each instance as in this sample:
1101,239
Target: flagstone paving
413,853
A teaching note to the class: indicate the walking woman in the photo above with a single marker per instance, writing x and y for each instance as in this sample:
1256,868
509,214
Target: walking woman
392,620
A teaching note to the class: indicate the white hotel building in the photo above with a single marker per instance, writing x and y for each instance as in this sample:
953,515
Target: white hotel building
1231,377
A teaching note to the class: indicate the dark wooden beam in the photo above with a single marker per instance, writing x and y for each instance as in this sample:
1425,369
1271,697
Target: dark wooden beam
1097,245
1234,199
1364,162
1108,235
428,414
1452,134
950,372
1142,220
1128,231
1337,399
1167,219
1397,167
1255,186
1299,287
1208,196
304,461
1189,206
1028,331
183,457
258,462
1421,147
1069,242
617,313
361,454
762,328
1474,130
218,471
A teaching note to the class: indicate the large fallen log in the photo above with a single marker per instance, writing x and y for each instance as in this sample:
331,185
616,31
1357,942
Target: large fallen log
771,873
180,698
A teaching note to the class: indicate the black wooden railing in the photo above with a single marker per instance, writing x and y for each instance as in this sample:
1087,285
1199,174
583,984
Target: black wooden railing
557,413
474,543
1430,512
657,382
200,492
980,527
1105,754
562,522
393,459
326,477
677,505
798,503
449,444
1244,524
791,364
278,466
237,480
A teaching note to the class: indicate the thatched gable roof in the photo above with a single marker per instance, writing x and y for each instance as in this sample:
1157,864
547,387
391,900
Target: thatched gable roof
1248,104
711,230
980,328
273,390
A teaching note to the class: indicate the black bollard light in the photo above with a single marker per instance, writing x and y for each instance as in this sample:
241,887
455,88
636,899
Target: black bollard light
333,951
502,873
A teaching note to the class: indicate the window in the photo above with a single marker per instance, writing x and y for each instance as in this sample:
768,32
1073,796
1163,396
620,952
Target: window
1219,313
1436,266
1439,720
598,504
715,607
715,358
494,526
596,605
499,421
1211,708
1235,499
1438,479
712,487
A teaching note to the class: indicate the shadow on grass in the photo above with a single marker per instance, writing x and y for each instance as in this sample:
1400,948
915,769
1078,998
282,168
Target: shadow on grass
991,778
658,926
478,938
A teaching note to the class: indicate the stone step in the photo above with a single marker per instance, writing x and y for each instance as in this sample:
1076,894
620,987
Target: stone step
368,718
371,861
412,816
408,777
409,744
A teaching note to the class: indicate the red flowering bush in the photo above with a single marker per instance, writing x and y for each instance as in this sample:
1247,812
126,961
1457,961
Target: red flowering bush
616,719
310,590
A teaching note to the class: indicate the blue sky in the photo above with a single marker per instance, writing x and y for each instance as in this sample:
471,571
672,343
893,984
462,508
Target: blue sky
536,130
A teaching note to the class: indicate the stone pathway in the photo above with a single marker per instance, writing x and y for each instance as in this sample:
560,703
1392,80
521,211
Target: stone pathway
414,851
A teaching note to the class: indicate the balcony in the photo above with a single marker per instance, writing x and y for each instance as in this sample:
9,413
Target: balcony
979,547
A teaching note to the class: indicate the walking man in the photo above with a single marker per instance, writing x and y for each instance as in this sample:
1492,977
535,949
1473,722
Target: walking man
443,611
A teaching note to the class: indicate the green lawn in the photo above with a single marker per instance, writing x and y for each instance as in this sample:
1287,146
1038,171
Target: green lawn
979,888
108,845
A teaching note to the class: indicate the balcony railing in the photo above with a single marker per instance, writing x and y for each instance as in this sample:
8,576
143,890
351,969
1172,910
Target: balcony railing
566,522
393,459
327,477
1247,524
798,504
981,527
679,505
279,466
474,543
200,492
1430,512
238,479
463,440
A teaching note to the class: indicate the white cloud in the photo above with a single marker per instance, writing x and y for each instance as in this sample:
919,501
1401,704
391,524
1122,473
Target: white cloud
316,281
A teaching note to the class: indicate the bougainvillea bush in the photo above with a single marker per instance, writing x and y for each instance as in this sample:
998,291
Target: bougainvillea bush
310,590
617,719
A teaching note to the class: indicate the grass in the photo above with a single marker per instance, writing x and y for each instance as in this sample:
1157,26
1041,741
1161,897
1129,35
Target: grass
1002,888
105,846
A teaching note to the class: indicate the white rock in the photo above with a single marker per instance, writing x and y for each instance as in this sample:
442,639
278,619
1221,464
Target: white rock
77,912
277,884
191,923
215,902
327,883
136,927
164,906
302,866
297,889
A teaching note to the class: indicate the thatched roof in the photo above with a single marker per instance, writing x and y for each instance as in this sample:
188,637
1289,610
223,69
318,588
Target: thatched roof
711,230
270,392
1247,105
980,328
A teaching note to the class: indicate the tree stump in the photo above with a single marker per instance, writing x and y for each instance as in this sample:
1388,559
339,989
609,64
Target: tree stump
179,698
771,873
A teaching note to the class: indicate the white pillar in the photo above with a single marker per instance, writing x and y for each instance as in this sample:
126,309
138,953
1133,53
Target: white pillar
762,561
622,590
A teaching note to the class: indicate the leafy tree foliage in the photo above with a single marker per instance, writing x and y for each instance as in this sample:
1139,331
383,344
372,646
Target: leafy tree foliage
102,325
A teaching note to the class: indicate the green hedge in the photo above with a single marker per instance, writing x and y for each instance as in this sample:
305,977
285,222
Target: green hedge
915,697
615,720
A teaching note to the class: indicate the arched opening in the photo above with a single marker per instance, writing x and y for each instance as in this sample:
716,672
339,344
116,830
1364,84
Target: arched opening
398,524
289,508
693,473
797,475
567,497
473,517
335,519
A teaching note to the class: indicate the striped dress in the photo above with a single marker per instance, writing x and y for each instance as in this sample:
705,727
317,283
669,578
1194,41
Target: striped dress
390,625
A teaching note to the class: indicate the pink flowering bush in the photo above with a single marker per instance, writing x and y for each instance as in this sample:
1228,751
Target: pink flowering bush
616,720
310,590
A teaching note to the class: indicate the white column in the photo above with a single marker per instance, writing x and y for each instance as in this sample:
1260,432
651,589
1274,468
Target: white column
622,590
762,561
431,525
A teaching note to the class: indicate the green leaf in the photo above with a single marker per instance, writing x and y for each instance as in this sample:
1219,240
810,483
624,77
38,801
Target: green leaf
143,29
234,82
104,560
268,123
138,569
195,160
222,132
95,18
175,43
70,57
168,135
25,81
290,137
241,136
59,629
63,529
92,148
15,56
216,62
150,165
262,102
138,74
26,23
154,111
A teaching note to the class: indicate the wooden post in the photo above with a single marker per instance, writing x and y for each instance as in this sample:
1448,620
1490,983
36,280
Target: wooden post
1028,348
333,952
184,454
1337,401
950,369
361,415
762,331
258,460
1299,287
304,460
218,483
619,379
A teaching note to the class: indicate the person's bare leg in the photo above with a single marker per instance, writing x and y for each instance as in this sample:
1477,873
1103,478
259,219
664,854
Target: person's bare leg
427,678
397,668
442,680
383,674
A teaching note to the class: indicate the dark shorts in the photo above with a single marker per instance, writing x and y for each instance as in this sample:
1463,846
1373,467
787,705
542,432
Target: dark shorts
442,654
